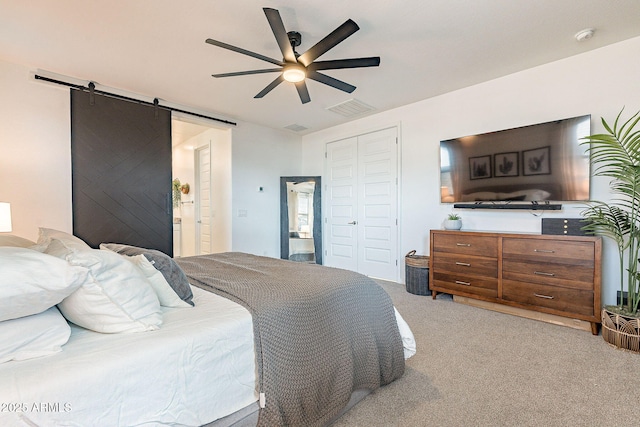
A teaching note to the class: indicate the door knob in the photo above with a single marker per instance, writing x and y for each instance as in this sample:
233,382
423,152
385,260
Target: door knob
352,223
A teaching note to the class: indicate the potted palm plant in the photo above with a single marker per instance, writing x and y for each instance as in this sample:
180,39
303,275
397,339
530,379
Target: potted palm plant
616,154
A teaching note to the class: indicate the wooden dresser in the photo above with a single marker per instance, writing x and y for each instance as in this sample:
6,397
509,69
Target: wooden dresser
559,275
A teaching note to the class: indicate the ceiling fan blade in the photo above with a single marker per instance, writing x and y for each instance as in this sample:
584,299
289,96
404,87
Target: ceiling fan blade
270,87
275,22
303,92
373,61
243,51
244,73
335,37
330,81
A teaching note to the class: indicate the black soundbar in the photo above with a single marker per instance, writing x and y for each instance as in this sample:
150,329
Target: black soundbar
522,206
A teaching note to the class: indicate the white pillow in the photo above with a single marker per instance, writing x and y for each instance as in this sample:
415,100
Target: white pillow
45,235
116,297
32,336
31,282
165,293
16,241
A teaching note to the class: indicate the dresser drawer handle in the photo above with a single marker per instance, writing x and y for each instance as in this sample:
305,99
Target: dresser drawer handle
460,282
464,264
543,296
468,245
542,273
544,251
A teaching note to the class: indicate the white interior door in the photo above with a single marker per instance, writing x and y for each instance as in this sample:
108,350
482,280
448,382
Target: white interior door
361,225
203,200
378,204
342,205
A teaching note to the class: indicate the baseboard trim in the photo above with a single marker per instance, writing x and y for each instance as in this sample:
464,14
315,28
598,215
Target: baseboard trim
534,315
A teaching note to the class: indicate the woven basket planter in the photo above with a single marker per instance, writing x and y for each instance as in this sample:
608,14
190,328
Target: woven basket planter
621,331
417,273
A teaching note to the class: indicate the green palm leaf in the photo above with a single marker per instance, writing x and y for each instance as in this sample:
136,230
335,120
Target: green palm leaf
616,155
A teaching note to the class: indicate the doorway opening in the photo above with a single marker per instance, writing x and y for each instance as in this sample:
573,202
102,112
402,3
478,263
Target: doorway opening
201,168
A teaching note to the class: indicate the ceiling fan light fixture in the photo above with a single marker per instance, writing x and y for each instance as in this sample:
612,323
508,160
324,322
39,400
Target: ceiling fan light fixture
294,73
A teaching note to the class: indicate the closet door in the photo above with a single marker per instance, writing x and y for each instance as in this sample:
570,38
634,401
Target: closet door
121,172
362,192
378,204
342,204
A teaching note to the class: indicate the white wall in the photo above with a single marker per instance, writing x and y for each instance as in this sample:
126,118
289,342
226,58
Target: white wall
35,152
35,164
599,83
260,157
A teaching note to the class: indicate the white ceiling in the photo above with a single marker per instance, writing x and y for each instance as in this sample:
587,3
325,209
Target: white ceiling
156,48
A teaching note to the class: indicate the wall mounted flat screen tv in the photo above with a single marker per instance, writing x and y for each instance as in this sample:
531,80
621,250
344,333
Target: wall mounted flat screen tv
538,163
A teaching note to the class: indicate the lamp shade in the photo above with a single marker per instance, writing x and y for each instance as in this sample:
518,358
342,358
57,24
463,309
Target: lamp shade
5,217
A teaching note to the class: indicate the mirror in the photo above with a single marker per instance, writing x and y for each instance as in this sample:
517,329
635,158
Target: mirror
300,219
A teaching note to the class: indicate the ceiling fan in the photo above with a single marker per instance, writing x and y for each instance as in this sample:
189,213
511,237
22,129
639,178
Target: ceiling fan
295,67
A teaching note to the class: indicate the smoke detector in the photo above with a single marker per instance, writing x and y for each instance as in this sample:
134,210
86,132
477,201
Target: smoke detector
585,34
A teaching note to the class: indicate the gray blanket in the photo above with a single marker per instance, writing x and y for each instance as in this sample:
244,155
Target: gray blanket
320,332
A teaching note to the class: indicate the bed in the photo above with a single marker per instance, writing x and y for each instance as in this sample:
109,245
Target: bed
206,357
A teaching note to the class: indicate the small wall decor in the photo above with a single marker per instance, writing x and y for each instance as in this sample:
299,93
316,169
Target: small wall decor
506,164
536,161
480,167
185,188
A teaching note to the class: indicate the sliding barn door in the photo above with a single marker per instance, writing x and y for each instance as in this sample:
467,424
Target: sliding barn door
121,172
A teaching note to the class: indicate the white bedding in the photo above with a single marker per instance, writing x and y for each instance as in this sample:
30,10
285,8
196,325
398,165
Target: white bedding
163,377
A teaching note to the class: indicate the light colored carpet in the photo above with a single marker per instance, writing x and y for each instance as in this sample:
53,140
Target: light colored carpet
476,367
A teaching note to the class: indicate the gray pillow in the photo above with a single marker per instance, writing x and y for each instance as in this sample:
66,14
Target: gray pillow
163,263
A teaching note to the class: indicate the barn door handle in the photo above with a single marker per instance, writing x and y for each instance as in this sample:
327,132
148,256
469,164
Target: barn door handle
169,204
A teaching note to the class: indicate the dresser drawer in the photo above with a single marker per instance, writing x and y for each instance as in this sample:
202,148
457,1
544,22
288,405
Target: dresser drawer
560,251
468,265
565,300
570,276
459,283
468,244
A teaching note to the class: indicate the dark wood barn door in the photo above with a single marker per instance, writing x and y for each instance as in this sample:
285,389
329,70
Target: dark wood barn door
121,172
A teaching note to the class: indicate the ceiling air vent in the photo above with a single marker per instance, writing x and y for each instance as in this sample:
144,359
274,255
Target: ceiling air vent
296,128
350,108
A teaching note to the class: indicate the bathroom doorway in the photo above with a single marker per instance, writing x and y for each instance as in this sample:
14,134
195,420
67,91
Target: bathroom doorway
201,166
